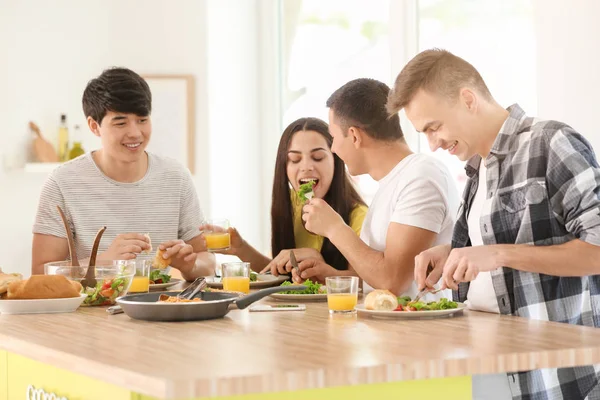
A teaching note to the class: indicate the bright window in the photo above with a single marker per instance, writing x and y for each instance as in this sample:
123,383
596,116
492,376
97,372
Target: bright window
497,38
327,43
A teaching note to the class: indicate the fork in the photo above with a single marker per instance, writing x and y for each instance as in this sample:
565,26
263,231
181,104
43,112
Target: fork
423,292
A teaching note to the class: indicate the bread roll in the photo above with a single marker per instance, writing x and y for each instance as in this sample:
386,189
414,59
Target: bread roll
43,287
159,261
6,279
381,300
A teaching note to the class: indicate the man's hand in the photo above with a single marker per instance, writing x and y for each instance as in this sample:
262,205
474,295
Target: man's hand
464,264
320,218
454,266
126,246
429,266
181,254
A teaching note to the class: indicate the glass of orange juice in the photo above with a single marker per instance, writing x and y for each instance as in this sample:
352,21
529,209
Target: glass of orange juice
236,276
141,279
342,294
217,234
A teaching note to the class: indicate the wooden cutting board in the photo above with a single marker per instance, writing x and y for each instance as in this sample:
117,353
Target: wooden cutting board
43,150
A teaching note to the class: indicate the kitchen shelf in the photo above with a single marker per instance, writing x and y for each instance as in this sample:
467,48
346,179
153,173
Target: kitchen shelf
38,167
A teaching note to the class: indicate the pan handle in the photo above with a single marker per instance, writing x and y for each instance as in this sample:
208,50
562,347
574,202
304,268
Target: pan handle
245,301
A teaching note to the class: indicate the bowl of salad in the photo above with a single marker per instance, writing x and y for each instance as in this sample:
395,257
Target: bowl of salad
113,279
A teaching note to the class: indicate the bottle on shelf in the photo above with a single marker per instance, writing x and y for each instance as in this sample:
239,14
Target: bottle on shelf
63,139
77,149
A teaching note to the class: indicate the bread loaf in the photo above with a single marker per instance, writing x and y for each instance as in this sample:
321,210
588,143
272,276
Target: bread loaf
43,287
6,279
381,300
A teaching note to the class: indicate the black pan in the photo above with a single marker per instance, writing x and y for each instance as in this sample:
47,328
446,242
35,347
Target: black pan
145,306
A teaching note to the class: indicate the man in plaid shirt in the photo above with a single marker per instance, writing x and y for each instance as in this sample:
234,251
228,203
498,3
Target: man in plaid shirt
527,238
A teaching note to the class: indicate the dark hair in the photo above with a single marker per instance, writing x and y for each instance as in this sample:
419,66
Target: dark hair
119,90
341,196
361,103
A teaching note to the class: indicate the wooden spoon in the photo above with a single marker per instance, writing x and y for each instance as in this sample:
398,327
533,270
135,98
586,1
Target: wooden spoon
90,277
70,241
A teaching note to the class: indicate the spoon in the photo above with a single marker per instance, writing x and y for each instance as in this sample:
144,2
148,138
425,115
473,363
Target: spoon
90,276
70,241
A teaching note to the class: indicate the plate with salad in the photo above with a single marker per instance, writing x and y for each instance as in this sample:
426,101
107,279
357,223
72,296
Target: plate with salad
160,280
257,280
407,309
314,291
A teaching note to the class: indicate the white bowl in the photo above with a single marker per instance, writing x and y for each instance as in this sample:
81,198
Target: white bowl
41,306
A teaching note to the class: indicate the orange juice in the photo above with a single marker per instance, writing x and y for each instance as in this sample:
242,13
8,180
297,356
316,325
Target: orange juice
140,284
217,240
342,301
237,283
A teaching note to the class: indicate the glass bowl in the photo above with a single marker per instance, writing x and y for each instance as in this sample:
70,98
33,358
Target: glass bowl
113,279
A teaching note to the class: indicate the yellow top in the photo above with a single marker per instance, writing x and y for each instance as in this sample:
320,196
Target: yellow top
305,239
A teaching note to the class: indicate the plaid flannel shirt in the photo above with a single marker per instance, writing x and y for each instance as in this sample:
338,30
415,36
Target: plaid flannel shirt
545,183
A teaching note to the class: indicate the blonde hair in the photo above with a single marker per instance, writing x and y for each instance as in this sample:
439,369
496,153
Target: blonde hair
435,71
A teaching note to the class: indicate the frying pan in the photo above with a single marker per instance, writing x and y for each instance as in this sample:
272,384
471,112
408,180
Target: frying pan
146,307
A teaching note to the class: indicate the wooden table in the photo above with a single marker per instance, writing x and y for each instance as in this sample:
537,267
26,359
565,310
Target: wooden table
291,351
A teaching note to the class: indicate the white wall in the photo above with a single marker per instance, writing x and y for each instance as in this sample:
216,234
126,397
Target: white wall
51,49
234,119
568,43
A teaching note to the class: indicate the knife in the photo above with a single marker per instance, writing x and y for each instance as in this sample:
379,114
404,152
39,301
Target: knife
114,310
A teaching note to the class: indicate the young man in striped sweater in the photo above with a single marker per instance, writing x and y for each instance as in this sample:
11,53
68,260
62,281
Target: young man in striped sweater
123,187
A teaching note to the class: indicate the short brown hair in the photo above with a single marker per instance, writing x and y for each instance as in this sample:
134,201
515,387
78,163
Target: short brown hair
435,71
362,103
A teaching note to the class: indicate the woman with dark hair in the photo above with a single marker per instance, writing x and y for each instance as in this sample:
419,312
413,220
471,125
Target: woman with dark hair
304,154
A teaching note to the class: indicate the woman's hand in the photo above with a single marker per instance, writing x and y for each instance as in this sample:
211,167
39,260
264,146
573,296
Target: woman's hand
282,265
236,240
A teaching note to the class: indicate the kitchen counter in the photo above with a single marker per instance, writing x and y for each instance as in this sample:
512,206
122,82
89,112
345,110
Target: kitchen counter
270,352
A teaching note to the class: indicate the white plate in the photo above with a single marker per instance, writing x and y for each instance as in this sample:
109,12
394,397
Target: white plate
161,286
410,314
263,281
304,297
299,297
42,306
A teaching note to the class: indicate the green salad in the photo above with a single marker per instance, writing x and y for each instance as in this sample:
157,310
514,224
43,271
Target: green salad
406,304
159,276
311,287
106,291
305,189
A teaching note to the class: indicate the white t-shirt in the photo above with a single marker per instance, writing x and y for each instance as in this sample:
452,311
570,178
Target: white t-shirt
481,295
164,203
419,192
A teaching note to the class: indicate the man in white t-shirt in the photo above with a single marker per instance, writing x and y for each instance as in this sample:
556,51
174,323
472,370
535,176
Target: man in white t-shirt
413,209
